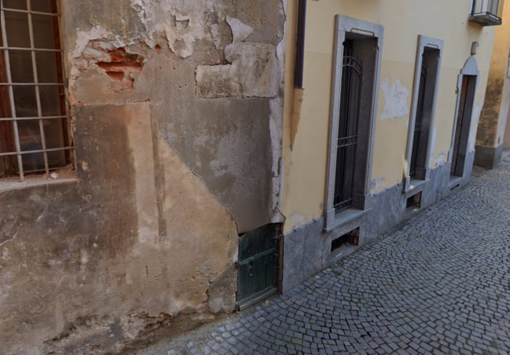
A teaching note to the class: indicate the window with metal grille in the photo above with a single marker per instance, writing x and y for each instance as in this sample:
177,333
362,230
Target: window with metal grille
33,118
348,128
487,12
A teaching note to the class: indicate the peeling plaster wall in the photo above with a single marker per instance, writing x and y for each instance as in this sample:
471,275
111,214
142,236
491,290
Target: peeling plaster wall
172,167
403,21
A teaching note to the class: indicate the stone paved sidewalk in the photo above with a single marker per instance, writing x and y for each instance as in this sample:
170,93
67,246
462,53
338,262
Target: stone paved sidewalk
438,284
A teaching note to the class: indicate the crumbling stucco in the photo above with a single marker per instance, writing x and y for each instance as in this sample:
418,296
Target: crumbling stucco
377,186
488,124
240,31
180,113
251,72
115,250
441,159
146,237
395,100
299,220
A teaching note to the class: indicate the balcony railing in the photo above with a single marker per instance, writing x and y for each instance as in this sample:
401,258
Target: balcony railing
486,12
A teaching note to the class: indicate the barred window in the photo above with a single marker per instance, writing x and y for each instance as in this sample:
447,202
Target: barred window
33,115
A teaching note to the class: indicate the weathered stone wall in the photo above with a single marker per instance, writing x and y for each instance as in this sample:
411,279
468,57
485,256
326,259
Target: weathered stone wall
491,127
177,117
488,125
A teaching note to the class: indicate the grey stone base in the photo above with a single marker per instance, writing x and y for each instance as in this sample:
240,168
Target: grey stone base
307,250
488,157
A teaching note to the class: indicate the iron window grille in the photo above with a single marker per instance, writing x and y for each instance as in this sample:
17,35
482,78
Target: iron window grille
34,135
486,12
419,122
348,129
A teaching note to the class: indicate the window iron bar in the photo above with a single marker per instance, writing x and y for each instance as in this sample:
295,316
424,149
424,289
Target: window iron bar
32,118
342,206
31,171
347,141
31,84
30,12
11,96
37,91
30,49
25,152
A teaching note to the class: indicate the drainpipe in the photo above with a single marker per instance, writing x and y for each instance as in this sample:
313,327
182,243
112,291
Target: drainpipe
300,44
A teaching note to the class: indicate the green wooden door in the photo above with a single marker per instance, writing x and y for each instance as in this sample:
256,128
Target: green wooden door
259,255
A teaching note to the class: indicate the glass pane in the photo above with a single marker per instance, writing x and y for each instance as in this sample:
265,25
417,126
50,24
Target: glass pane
29,135
30,139
42,6
3,69
43,31
15,4
54,134
21,66
3,167
7,163
47,66
5,105
16,25
6,137
50,100
25,101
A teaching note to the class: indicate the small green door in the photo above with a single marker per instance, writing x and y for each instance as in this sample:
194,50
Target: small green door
259,259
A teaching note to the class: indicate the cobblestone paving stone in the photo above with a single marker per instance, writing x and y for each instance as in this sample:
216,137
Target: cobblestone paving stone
438,284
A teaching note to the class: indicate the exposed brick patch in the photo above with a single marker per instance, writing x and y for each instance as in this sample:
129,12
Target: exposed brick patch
121,67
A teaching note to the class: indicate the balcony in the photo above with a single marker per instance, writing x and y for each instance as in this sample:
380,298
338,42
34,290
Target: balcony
486,12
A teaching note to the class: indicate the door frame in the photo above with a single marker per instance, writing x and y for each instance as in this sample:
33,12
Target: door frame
423,43
344,25
470,69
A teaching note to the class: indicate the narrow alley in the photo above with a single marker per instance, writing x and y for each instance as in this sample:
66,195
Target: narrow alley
182,177
437,284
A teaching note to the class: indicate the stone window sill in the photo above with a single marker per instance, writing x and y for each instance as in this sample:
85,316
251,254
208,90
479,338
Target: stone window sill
455,181
8,184
345,217
415,187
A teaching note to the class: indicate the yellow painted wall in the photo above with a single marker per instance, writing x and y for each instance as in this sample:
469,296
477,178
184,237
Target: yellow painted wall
403,21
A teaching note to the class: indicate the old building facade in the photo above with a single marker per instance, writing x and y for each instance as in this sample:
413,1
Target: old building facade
382,120
165,162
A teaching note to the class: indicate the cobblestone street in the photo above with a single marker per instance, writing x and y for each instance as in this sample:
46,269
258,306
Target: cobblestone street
437,284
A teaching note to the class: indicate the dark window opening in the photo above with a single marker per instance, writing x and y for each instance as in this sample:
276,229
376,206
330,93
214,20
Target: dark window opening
33,115
463,125
424,112
414,202
354,121
300,45
348,128
351,238
419,121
